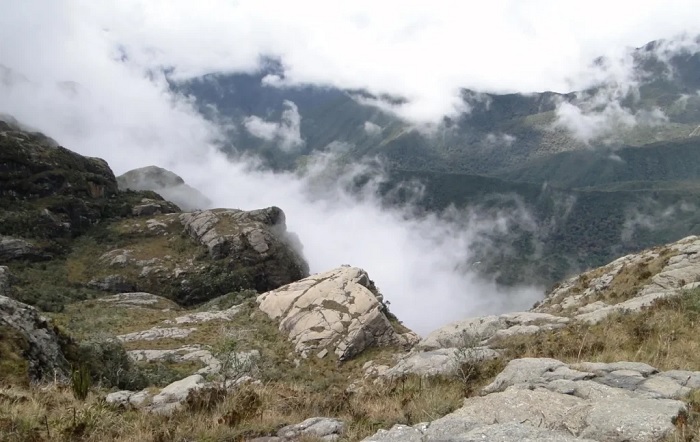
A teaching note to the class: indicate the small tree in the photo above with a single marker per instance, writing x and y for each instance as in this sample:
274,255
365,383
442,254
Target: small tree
81,382
234,365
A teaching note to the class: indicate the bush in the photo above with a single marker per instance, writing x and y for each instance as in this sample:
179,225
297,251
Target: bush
109,365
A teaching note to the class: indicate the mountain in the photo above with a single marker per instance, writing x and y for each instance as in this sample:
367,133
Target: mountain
585,176
656,101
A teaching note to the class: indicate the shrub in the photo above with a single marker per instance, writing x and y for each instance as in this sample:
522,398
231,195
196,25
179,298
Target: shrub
80,382
109,365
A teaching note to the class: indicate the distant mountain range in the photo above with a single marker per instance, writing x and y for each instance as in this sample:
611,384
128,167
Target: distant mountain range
599,171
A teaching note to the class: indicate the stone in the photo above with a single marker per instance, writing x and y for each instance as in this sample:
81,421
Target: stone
443,361
324,428
18,248
338,310
150,207
257,240
139,300
548,400
200,317
638,420
397,433
485,329
126,398
156,333
523,371
42,348
172,396
113,283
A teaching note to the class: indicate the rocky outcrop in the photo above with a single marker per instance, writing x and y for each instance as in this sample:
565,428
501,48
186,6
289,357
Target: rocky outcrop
139,300
39,341
51,194
629,283
165,402
16,248
338,311
472,340
547,400
167,184
150,207
256,239
221,251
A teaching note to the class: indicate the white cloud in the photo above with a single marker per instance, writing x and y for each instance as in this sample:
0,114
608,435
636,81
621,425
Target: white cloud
588,124
422,50
87,75
286,133
371,128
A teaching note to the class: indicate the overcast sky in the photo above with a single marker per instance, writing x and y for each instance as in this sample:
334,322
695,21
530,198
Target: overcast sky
88,74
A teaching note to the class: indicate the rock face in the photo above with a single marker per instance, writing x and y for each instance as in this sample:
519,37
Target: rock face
628,283
194,257
167,184
39,341
51,194
336,311
547,400
257,239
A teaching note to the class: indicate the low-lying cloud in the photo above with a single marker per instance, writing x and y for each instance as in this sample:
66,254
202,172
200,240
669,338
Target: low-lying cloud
131,118
286,133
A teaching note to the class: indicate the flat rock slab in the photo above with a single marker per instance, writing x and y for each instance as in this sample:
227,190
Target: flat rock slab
157,333
539,399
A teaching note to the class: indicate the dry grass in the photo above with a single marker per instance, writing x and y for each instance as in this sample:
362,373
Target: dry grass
663,335
52,414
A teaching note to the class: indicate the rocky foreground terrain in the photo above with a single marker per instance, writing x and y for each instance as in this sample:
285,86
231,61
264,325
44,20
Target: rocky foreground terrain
123,318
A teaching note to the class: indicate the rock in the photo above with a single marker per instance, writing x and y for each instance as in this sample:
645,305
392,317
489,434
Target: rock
196,353
165,183
256,240
474,331
41,345
336,310
156,333
690,379
676,267
324,428
125,398
443,361
139,300
172,396
548,400
397,433
113,283
523,371
199,317
150,207
643,420
16,248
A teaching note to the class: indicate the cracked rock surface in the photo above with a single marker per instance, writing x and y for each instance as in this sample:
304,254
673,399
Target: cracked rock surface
337,311
539,399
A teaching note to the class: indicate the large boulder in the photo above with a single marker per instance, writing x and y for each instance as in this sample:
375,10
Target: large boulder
339,311
35,337
167,184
